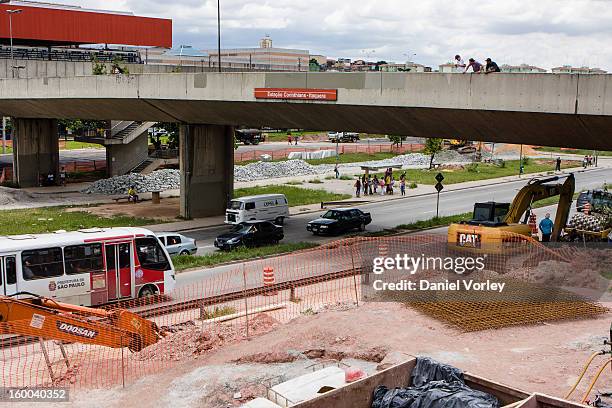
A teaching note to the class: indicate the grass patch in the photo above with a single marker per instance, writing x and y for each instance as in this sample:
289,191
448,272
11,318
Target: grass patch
282,136
345,177
295,183
218,312
435,222
183,262
581,152
315,181
72,145
49,219
484,171
295,195
353,158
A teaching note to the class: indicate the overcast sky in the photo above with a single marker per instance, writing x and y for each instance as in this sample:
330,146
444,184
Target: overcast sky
545,33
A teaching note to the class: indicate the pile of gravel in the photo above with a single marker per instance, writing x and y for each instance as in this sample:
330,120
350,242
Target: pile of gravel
266,170
160,180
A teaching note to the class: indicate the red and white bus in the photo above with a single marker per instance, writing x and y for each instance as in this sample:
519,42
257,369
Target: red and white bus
87,267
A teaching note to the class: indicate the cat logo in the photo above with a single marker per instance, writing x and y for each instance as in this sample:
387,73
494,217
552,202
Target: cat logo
468,240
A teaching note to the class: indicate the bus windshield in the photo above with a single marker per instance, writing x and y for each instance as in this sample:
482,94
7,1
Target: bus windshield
234,205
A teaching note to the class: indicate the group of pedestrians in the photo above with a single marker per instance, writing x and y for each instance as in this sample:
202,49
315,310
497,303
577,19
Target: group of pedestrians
368,185
588,161
291,138
50,179
477,68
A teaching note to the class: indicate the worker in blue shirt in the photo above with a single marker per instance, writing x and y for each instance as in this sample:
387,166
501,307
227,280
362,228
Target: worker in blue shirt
546,226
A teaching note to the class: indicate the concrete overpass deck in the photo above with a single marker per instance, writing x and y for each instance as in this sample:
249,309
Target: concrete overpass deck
543,109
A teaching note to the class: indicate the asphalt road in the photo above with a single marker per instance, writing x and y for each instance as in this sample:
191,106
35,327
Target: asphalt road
401,211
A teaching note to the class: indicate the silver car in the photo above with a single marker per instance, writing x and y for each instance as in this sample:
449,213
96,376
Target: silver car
177,244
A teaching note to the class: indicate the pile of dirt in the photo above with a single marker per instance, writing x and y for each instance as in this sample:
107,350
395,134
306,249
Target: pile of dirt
190,340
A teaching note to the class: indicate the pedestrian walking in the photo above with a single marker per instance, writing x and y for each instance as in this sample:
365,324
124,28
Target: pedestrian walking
296,139
491,66
558,164
62,176
364,184
382,186
590,160
132,194
475,65
585,162
357,187
546,227
336,171
369,185
375,183
289,138
403,186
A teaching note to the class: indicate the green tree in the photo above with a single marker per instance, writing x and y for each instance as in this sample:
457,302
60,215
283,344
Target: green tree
396,140
433,146
97,68
119,67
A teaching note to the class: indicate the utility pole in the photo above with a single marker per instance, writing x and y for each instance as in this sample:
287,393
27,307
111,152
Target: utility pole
521,162
3,134
219,33
10,13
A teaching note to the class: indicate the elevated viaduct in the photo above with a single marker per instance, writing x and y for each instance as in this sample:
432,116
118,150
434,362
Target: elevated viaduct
540,109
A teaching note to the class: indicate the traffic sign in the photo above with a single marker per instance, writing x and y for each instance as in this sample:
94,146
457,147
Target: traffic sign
439,177
439,187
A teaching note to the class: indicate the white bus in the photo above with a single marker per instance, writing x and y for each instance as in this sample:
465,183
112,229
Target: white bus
264,207
87,267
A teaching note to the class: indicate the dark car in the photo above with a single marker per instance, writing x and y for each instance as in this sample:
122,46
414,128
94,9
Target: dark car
249,136
339,220
250,234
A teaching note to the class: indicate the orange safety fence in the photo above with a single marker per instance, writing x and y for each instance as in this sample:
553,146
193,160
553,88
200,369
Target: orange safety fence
217,307
343,149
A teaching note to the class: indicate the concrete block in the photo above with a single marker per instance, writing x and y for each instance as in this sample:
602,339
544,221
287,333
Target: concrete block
260,403
307,386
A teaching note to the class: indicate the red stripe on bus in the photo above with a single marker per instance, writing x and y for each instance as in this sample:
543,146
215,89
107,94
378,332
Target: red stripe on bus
109,238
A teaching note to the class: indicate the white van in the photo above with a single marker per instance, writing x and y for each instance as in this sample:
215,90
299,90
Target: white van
265,207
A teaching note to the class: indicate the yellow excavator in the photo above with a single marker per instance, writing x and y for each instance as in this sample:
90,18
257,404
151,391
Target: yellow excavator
495,224
45,318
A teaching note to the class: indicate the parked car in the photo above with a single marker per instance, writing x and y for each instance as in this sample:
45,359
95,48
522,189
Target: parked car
263,207
178,244
343,137
339,220
250,234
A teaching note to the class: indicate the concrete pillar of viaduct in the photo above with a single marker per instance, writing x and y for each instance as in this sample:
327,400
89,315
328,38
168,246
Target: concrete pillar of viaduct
207,169
35,150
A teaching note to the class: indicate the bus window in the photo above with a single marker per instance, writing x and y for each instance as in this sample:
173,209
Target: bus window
83,258
151,255
42,263
124,256
11,270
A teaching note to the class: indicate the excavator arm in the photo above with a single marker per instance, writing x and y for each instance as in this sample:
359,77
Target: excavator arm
46,318
539,189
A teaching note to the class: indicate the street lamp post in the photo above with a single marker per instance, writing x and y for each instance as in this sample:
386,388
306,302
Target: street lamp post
10,14
219,33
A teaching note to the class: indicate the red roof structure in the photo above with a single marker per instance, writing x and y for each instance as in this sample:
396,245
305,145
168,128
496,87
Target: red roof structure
48,24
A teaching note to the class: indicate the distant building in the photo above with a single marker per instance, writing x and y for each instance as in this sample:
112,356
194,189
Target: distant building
265,57
568,69
522,69
408,66
450,68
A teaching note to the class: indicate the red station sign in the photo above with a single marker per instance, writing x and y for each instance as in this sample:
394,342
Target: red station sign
299,94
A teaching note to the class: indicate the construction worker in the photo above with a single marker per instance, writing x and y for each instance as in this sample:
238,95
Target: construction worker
546,227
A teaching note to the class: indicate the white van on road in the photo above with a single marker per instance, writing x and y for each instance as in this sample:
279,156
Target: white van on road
265,207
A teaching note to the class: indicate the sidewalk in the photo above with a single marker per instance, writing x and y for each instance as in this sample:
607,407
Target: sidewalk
339,186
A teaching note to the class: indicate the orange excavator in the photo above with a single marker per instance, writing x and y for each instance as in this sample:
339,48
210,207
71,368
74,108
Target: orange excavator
47,319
